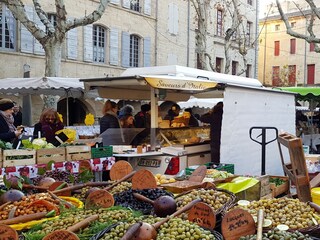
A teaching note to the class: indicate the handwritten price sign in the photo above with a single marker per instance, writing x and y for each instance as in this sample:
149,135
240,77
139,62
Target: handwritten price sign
143,179
61,235
203,215
8,233
237,223
99,198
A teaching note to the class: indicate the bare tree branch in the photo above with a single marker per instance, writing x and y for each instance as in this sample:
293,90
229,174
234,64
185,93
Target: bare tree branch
43,17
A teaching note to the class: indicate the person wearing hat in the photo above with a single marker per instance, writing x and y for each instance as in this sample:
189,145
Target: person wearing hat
143,118
8,132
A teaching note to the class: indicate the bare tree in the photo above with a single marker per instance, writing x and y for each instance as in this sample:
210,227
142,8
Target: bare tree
52,37
310,17
234,36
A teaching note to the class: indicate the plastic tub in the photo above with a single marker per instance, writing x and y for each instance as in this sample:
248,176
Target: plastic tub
315,194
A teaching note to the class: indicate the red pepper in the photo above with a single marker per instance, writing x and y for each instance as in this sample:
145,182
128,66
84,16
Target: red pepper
48,205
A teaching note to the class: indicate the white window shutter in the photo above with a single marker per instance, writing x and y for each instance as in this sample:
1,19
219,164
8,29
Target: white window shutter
170,18
72,44
25,35
126,3
147,52
147,7
114,46
88,43
38,49
125,45
172,59
115,1
176,19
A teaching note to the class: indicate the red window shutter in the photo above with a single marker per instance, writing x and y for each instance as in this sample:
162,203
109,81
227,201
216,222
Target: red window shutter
311,47
292,75
275,76
277,48
293,46
310,76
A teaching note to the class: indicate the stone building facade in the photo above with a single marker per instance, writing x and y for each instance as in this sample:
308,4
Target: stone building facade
283,59
129,34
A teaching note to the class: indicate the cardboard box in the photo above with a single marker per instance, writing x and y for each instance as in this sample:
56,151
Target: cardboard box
258,191
18,157
46,155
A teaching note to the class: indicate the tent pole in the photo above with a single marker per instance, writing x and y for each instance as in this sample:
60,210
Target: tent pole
67,99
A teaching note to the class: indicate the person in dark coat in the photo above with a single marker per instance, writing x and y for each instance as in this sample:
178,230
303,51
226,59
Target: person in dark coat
48,125
193,121
214,118
8,132
143,118
173,112
17,115
110,118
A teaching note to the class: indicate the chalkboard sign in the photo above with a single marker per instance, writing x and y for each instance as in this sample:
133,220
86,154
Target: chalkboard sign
237,223
8,233
203,215
99,198
61,235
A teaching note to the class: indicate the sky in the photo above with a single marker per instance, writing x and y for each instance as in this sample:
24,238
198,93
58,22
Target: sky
262,4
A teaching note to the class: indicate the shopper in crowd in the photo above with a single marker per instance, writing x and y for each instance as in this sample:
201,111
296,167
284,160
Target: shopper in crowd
193,122
17,115
48,125
110,118
127,121
8,132
173,112
143,118
214,118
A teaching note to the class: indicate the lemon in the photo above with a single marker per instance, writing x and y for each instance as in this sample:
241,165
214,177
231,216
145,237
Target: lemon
282,227
158,175
172,180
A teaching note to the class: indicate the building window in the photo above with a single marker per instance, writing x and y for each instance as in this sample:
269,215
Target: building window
218,65
135,6
134,51
7,28
99,44
292,75
311,47
248,70
219,23
293,24
275,76
248,34
234,65
276,48
293,46
277,27
249,2
52,18
311,72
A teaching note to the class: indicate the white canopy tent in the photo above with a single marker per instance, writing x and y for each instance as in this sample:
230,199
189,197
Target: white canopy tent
56,86
200,102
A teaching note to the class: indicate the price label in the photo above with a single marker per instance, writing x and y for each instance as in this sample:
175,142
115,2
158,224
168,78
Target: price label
203,215
61,235
84,165
199,174
120,169
99,198
237,223
143,179
8,233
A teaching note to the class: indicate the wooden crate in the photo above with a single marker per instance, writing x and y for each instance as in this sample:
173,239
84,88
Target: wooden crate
46,155
81,152
18,157
283,188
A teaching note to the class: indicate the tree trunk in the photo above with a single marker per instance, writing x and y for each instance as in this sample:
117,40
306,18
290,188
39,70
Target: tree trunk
53,57
201,38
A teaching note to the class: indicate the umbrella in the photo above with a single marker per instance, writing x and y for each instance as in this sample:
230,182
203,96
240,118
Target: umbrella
200,102
56,86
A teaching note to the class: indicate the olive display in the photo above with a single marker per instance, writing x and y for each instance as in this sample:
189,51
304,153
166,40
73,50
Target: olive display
126,199
288,211
177,228
122,187
215,199
58,175
276,234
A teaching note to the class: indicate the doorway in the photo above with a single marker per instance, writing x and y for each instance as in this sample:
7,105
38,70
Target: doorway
77,111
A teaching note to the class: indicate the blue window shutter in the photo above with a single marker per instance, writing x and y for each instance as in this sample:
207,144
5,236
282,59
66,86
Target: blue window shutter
38,49
126,3
147,52
88,43
114,46
125,45
115,1
147,7
72,43
26,36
